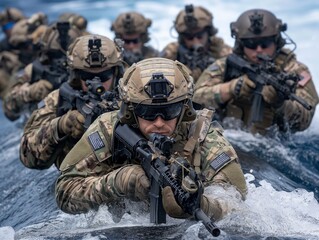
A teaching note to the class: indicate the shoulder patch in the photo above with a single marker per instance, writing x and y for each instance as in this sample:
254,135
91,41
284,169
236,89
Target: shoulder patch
305,78
96,141
213,67
220,161
41,104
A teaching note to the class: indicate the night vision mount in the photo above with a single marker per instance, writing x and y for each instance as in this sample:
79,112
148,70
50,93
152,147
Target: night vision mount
158,88
95,58
190,20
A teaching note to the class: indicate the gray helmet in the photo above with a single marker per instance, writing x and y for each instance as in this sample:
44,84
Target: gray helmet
131,23
193,18
258,23
156,82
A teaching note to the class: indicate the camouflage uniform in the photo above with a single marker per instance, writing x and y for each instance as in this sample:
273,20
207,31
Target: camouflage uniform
89,174
298,118
217,48
41,144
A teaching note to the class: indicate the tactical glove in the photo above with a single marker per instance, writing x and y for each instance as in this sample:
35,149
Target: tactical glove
71,124
241,86
132,182
170,205
271,96
39,90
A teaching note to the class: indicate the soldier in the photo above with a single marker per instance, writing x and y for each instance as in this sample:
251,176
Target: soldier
92,176
257,34
8,18
24,35
43,75
132,28
47,137
197,46
75,20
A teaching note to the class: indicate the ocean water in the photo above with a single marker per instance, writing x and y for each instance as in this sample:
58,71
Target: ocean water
282,172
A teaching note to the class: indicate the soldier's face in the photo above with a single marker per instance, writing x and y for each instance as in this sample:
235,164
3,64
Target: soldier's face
132,42
159,125
198,38
254,47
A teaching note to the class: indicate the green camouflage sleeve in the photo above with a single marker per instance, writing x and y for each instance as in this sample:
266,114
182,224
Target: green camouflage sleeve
221,168
293,113
40,145
207,86
87,173
16,100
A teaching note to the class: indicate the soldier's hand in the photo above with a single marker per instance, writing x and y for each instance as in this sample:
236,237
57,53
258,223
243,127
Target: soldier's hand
39,90
71,124
242,86
170,205
271,96
132,182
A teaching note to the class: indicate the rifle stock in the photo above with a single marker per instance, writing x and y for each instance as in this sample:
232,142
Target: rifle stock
130,144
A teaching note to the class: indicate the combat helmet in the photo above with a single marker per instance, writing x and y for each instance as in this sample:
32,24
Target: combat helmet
10,16
23,30
164,84
94,54
257,23
132,23
75,20
193,18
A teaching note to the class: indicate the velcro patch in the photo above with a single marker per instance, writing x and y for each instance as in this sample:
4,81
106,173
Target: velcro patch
220,161
305,78
96,141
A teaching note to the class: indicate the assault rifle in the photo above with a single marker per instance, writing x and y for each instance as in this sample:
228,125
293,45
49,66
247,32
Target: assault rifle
195,58
264,74
90,104
162,170
56,73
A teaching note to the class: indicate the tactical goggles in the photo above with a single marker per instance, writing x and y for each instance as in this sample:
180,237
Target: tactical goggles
7,26
104,76
151,112
134,41
253,43
191,36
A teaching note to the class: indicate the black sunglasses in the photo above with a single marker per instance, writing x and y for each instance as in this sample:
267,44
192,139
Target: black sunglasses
134,41
104,76
253,43
191,36
151,112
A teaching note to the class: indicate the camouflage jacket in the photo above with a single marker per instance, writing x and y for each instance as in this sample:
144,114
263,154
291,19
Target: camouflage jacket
88,175
217,49
292,113
40,145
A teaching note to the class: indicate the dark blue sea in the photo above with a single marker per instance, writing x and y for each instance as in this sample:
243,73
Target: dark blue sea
282,172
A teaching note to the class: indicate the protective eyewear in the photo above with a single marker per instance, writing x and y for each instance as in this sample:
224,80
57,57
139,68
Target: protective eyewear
191,36
7,26
254,43
151,112
104,76
134,41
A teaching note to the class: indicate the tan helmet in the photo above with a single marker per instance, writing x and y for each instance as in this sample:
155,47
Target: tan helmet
58,37
131,23
22,30
10,15
74,19
194,18
94,53
156,82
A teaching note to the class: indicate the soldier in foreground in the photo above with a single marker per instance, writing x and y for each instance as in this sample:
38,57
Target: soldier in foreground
156,100
51,132
262,84
43,75
197,46
132,28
